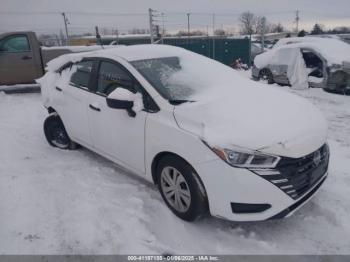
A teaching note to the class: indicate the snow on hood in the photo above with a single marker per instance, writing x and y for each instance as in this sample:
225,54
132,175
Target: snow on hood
256,117
333,50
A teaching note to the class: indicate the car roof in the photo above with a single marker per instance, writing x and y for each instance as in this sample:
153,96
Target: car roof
333,50
128,53
140,52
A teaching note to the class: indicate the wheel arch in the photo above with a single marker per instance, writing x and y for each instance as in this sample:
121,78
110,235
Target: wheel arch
51,110
161,155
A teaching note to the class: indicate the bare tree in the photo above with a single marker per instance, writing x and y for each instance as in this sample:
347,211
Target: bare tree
277,28
192,33
220,32
261,25
318,29
248,23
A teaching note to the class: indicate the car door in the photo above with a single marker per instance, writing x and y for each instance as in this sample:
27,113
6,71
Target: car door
73,93
114,133
17,62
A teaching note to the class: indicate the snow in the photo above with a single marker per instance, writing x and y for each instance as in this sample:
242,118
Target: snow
75,202
129,53
286,52
314,79
73,48
256,119
122,36
333,50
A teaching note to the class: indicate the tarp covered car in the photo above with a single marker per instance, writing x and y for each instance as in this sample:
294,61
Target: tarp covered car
306,62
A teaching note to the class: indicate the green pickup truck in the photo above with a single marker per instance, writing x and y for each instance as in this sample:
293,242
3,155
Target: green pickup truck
23,59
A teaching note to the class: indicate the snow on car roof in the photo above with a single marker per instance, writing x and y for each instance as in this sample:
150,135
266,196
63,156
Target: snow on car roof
129,53
333,50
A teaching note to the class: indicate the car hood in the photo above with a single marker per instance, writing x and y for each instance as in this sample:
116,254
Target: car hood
256,117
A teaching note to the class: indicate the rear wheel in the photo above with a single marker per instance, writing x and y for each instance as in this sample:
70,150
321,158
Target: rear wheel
56,134
180,188
266,75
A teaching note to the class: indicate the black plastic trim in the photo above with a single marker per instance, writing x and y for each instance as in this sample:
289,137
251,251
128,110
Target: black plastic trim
290,209
245,208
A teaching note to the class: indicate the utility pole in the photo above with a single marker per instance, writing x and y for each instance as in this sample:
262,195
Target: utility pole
163,26
151,26
297,19
117,35
263,28
188,24
66,22
98,37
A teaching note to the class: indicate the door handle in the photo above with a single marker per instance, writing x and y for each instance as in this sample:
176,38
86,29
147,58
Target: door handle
58,89
95,108
26,57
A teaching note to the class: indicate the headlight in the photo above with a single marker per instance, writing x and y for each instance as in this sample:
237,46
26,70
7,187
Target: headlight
246,159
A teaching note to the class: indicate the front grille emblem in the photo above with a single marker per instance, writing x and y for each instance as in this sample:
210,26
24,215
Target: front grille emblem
317,158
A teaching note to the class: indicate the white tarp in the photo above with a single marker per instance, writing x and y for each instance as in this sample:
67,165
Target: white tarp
297,72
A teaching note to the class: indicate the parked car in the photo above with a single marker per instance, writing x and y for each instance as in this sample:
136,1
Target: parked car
327,63
255,50
210,139
22,59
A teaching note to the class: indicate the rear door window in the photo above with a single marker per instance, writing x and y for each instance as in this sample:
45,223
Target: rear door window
82,74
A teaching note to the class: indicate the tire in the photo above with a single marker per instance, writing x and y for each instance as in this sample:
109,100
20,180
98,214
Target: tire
266,74
185,199
56,134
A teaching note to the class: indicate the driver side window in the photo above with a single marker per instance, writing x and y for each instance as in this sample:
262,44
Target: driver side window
18,43
111,76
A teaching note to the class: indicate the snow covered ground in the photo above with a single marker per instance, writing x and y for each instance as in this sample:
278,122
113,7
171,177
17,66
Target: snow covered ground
75,202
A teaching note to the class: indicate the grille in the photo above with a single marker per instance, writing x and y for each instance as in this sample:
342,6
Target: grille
295,176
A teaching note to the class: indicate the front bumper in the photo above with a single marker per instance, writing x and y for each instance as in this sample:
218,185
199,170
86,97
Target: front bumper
227,186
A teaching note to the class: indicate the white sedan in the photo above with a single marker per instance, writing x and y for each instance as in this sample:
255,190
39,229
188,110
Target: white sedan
211,140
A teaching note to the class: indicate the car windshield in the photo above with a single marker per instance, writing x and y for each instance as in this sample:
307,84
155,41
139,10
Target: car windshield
185,77
159,72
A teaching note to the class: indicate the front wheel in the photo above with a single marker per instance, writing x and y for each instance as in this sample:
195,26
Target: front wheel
266,75
55,133
180,188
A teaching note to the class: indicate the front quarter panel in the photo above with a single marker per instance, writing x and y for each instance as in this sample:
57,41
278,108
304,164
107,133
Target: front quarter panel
162,134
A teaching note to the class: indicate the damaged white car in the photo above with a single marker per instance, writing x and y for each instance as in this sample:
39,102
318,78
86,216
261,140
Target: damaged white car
210,139
304,62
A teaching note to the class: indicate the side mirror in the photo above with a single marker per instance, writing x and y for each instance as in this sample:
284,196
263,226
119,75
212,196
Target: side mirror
122,98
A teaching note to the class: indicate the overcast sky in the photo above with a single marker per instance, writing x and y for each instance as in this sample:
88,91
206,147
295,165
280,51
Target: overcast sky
44,15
